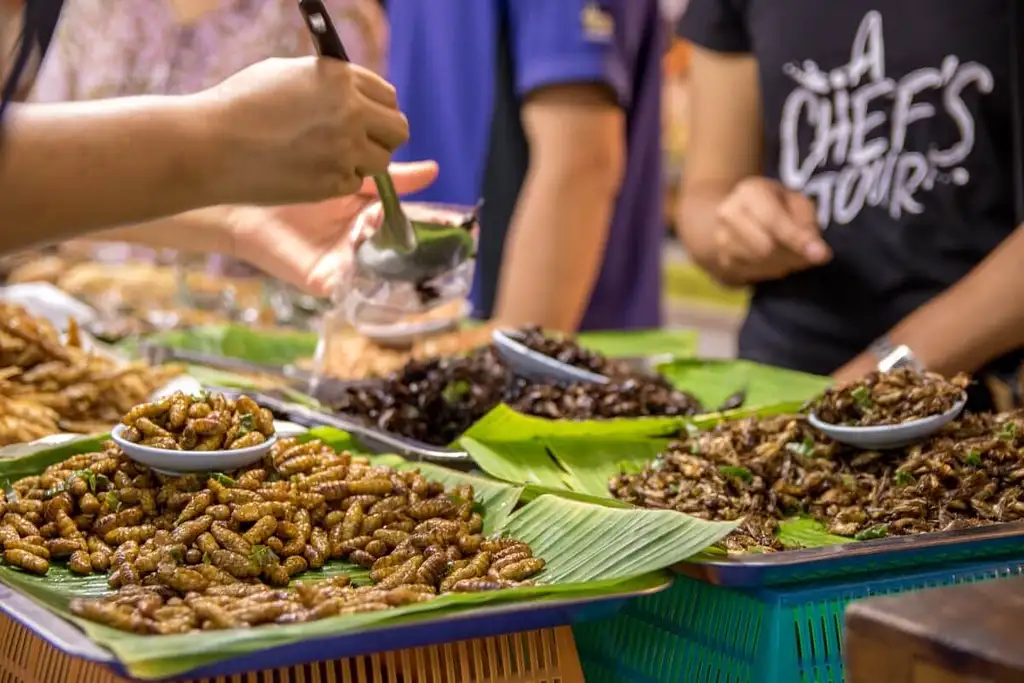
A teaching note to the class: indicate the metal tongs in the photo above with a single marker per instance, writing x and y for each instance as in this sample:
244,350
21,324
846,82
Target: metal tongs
400,250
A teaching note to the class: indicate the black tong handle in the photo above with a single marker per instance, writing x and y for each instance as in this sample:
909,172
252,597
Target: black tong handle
328,42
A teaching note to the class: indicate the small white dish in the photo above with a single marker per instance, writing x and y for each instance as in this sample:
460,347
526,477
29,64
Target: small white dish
885,437
177,463
534,366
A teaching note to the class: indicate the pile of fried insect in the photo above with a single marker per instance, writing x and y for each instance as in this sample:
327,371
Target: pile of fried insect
215,551
768,470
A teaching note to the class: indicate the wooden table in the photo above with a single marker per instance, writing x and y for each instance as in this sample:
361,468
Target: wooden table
959,634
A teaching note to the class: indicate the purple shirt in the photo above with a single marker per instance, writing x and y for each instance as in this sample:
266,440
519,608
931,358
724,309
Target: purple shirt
463,98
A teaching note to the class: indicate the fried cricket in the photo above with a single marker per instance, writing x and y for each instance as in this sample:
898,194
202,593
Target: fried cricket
765,470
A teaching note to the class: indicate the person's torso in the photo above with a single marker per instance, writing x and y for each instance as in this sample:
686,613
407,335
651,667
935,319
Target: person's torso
446,61
895,118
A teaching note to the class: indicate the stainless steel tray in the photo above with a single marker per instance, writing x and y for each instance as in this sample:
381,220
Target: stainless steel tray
374,440
478,622
861,557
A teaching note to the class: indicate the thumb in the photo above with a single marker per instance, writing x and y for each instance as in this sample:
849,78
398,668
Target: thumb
408,177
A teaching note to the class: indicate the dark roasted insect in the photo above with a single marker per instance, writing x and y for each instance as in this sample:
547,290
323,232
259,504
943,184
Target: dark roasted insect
436,400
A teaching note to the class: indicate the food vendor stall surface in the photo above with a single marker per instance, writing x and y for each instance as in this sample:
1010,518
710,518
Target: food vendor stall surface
313,550
958,634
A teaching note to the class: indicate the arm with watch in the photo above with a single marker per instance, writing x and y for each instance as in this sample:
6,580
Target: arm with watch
976,320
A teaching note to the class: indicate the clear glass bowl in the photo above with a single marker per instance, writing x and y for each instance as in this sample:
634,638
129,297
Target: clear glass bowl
394,314
370,302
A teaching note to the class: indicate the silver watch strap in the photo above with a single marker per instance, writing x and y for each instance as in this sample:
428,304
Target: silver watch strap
891,357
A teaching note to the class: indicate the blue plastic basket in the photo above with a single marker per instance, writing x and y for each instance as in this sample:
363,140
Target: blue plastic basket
696,632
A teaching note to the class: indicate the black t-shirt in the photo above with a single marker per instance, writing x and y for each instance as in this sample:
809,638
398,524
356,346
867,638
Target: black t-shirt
895,118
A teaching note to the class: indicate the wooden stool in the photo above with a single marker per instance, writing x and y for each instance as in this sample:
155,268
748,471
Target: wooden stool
542,656
958,634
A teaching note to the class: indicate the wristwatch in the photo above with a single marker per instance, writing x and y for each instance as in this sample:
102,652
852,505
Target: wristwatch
891,357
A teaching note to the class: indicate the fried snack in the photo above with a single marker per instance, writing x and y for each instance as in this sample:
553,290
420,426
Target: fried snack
436,400
767,469
199,423
890,398
48,386
218,551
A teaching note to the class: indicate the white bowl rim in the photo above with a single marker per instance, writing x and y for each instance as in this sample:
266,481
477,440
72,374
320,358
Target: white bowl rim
128,447
506,338
866,430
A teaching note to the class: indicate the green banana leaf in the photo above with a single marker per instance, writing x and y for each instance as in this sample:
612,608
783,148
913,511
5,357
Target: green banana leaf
271,347
562,455
711,381
629,343
580,470
805,532
503,424
277,347
714,381
590,550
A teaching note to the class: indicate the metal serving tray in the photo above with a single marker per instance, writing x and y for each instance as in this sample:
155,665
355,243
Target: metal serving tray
478,622
861,557
373,439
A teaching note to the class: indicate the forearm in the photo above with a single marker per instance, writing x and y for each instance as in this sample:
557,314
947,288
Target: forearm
70,169
208,230
975,321
555,247
694,225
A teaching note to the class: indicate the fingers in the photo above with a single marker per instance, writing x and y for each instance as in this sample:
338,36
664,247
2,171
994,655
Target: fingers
374,87
801,210
409,177
366,223
768,230
387,127
744,236
323,279
373,160
767,201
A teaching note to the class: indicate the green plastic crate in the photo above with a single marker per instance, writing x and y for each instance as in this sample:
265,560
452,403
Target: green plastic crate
696,632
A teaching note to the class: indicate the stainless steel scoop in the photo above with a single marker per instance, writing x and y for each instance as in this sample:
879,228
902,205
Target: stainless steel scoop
400,250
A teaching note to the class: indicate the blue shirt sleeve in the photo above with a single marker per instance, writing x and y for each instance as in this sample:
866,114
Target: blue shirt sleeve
558,42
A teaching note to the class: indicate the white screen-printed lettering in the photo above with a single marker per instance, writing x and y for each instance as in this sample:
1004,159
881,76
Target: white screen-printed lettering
858,119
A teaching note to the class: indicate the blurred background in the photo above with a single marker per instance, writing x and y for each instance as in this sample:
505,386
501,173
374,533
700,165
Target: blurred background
138,291
692,298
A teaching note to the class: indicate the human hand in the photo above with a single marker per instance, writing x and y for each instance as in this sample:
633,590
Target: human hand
310,245
765,231
299,130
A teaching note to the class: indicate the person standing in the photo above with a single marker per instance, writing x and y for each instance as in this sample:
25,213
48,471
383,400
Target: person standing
232,168
549,111
854,164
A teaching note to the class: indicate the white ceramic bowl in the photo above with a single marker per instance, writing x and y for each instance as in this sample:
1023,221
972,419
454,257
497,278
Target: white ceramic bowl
535,366
176,463
884,437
